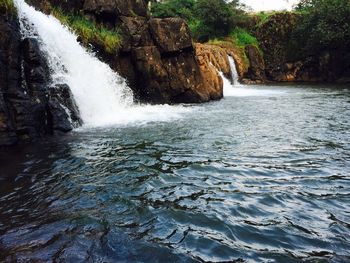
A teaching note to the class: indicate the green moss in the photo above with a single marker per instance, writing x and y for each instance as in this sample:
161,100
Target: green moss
90,32
7,7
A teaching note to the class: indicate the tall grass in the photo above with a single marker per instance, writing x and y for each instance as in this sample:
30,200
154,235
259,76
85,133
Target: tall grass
90,32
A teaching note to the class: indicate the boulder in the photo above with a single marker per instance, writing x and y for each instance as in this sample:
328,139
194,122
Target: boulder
118,7
214,56
27,112
170,34
64,113
173,79
256,70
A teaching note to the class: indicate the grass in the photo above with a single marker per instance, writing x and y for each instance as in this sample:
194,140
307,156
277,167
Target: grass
7,7
90,32
242,38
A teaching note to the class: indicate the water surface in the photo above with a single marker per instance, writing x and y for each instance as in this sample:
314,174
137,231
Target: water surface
261,176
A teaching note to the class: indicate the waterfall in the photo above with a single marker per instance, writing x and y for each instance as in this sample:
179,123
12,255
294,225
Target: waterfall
230,86
234,73
102,96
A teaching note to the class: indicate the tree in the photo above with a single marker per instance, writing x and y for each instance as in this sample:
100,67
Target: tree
325,25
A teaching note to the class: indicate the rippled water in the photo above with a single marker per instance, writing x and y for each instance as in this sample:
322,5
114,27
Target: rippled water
263,176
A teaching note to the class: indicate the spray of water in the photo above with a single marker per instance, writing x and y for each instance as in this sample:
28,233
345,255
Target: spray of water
102,96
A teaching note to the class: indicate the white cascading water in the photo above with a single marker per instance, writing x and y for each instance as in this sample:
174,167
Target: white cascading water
234,73
230,86
235,89
102,96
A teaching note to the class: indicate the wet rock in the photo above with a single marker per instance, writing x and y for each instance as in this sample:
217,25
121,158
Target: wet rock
10,77
27,112
64,113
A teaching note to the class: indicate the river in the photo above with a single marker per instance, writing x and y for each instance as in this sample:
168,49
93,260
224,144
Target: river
260,176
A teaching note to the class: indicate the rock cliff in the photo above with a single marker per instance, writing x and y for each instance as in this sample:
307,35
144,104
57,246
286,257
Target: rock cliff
28,107
283,61
156,57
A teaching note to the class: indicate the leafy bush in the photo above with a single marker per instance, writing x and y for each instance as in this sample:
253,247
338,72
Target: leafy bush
90,32
7,7
174,8
206,18
243,37
325,24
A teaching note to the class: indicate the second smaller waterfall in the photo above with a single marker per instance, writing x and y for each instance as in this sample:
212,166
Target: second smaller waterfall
230,86
234,73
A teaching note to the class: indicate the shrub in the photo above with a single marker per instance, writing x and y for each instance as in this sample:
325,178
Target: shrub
90,32
206,18
325,24
174,8
243,38
7,7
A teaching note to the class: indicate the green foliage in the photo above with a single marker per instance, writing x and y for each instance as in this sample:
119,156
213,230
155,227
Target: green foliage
264,16
90,32
174,8
243,38
206,18
7,7
216,16
325,25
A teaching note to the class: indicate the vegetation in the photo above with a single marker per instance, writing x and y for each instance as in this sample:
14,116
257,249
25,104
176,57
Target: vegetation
325,25
90,32
243,38
206,18
7,7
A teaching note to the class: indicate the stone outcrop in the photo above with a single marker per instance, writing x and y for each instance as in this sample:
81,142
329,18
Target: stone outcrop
283,62
157,56
256,70
216,56
27,109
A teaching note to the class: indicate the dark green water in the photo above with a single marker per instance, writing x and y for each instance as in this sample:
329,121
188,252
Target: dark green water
261,177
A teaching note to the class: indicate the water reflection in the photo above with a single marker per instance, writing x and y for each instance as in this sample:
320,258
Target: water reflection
257,178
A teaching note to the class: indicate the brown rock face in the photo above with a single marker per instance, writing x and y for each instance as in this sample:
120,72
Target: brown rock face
157,56
214,56
170,34
256,70
174,79
210,66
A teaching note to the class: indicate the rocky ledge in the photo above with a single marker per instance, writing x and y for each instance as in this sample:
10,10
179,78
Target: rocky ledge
29,107
157,56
